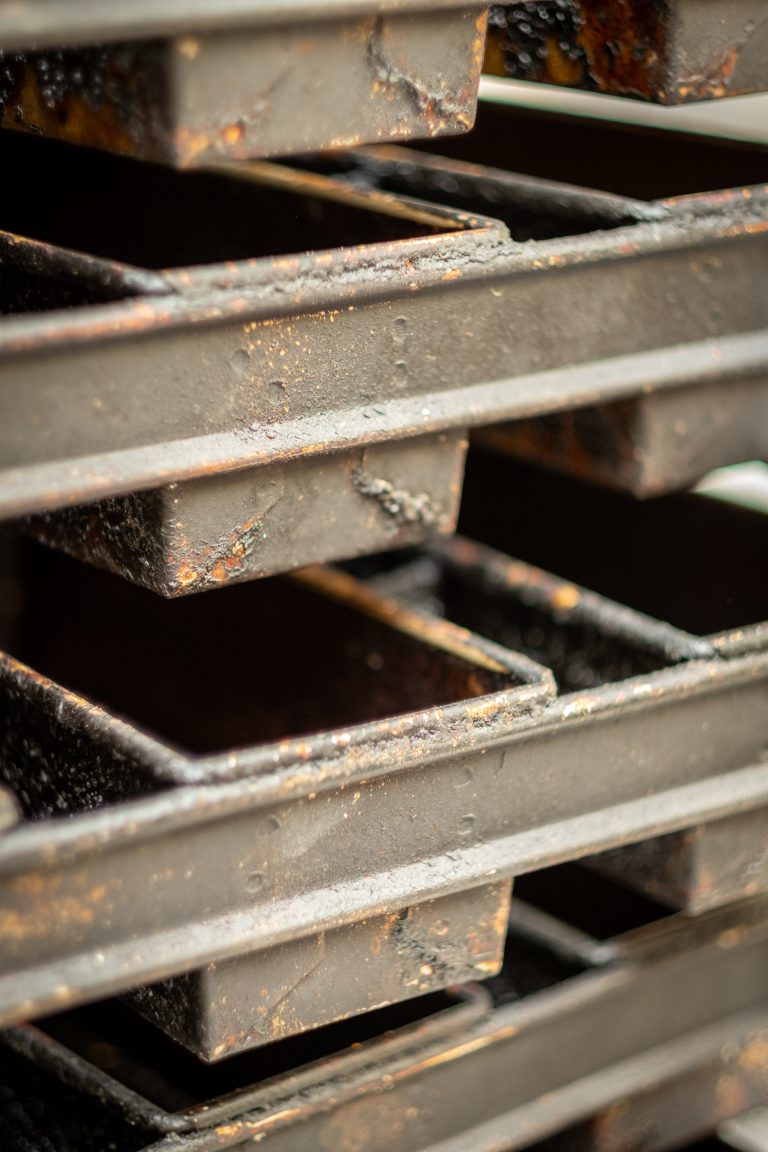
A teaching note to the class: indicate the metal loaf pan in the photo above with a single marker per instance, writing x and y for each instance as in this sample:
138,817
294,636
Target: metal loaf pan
262,846
548,1054
186,84
670,53
710,555
667,438
290,359
669,433
259,697
341,497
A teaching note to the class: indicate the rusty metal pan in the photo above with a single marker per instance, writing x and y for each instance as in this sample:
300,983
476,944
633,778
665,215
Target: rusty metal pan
254,847
38,277
358,685
589,642
653,441
189,84
693,561
347,347
670,53
548,1055
343,501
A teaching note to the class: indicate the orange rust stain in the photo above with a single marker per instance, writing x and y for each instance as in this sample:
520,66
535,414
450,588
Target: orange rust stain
190,47
560,69
566,597
754,1058
731,1095
186,575
233,134
72,119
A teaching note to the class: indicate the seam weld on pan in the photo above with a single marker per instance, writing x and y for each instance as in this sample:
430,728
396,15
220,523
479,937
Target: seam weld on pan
394,307
255,89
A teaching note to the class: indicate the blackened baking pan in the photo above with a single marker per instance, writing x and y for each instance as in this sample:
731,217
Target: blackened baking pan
692,561
670,53
256,362
301,836
189,83
661,437
656,164
591,645
311,682
340,497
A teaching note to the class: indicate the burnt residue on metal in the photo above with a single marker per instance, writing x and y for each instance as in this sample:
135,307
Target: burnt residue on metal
700,868
38,277
692,561
238,371
619,47
42,1110
188,98
592,443
701,1100
668,51
259,998
111,96
402,506
46,738
538,40
214,531
688,989
122,533
650,445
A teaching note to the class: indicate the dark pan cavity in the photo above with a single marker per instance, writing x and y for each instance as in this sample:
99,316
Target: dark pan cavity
579,653
597,906
530,211
630,161
692,561
136,1054
244,665
156,217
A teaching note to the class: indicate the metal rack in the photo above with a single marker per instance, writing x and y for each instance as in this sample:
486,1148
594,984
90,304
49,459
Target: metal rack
462,844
